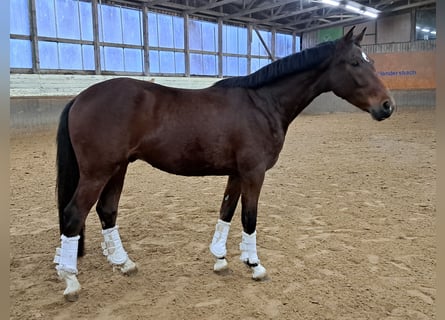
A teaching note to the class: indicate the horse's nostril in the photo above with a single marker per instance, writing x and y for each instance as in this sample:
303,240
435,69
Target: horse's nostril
387,107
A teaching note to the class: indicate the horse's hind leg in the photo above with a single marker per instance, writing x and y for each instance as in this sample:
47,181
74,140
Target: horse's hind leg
107,208
228,206
75,214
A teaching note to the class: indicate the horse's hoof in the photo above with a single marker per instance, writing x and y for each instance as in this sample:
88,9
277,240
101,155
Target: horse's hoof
259,273
72,296
220,265
72,290
129,268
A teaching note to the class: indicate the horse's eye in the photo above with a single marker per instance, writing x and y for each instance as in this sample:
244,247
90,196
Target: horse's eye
355,63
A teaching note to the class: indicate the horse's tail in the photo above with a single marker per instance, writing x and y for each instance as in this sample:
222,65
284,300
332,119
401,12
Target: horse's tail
67,172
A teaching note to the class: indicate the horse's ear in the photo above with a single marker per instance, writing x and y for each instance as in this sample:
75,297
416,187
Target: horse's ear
349,35
359,38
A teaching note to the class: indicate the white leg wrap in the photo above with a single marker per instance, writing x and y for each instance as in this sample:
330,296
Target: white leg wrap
66,255
112,246
66,260
249,255
115,252
248,248
218,245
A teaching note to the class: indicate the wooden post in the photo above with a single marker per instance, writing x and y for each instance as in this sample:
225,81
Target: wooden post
249,49
98,68
34,37
220,48
186,45
146,66
269,53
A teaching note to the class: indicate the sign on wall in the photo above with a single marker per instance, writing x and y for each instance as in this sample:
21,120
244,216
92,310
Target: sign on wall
330,34
407,70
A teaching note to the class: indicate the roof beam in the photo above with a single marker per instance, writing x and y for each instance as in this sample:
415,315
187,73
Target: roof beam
412,5
210,6
257,9
358,19
290,14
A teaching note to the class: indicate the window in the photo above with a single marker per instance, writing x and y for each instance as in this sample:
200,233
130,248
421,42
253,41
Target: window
166,55
260,57
425,24
61,25
68,24
203,46
19,13
20,50
234,50
283,45
120,39
20,53
46,18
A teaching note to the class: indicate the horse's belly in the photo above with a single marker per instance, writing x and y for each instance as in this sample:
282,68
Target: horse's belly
188,161
193,168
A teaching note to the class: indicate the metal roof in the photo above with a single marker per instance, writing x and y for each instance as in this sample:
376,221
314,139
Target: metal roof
283,15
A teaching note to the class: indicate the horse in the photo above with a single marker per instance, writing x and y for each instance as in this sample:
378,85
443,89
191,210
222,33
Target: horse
235,127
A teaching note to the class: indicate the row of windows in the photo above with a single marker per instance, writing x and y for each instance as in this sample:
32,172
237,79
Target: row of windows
65,41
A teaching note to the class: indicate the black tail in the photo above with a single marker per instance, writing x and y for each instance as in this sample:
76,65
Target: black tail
67,172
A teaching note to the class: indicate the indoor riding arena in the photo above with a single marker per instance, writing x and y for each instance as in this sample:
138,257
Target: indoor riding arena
346,216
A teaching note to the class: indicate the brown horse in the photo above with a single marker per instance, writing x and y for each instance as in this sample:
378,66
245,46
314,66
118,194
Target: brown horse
235,127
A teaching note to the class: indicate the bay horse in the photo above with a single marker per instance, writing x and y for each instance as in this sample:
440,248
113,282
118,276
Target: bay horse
235,127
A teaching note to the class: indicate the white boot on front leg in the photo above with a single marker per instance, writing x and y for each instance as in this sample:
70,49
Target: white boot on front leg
218,245
115,252
66,260
249,256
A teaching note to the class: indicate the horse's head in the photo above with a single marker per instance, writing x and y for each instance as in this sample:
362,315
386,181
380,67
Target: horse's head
353,77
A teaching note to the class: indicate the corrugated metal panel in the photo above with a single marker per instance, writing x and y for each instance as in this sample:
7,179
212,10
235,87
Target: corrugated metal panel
421,45
309,40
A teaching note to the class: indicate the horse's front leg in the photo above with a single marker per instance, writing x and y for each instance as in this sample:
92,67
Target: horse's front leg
228,206
250,191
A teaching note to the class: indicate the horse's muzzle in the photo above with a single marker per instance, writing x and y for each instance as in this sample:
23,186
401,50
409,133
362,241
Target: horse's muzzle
383,111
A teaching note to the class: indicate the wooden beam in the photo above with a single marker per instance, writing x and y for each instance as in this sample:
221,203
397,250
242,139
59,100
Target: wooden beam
220,48
257,9
96,37
290,14
186,45
145,40
269,53
34,38
210,6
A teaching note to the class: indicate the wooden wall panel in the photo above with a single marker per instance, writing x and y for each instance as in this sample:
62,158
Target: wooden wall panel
394,28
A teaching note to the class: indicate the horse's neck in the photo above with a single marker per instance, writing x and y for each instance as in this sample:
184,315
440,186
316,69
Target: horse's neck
294,93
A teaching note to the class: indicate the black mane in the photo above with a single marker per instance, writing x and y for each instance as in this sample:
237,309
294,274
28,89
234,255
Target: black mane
294,63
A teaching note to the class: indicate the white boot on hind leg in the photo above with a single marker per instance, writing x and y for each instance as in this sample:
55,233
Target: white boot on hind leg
115,253
66,260
249,256
218,245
